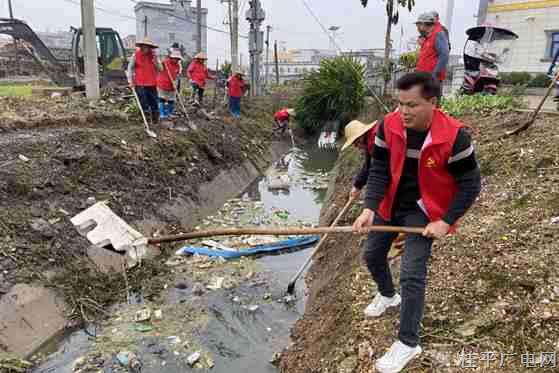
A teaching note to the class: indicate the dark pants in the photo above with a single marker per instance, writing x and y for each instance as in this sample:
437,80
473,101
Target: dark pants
413,270
197,92
148,99
235,106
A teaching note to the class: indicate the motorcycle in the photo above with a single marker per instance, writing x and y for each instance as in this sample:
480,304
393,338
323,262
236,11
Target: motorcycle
486,49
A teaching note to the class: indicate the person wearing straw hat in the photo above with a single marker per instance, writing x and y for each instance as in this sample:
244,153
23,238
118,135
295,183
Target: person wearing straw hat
361,136
198,74
165,88
235,87
281,118
142,76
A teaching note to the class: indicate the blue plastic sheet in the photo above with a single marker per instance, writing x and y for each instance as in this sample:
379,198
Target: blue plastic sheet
289,244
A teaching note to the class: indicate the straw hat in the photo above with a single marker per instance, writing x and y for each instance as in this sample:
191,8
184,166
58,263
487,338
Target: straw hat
201,56
354,130
176,54
291,112
148,43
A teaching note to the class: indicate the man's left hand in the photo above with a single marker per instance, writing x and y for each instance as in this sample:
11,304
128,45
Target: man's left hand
437,230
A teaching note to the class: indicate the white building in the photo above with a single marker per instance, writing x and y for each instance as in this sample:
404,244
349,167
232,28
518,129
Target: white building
537,24
294,63
170,23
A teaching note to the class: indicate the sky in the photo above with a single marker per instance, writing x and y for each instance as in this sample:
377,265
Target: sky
293,26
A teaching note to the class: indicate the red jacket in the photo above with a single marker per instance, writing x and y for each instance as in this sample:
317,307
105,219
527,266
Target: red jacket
236,86
438,187
428,57
198,73
146,69
282,115
172,68
371,140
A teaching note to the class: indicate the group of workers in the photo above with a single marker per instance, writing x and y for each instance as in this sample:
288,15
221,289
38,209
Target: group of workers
158,83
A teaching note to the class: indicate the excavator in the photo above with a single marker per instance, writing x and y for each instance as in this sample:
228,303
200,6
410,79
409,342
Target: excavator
111,55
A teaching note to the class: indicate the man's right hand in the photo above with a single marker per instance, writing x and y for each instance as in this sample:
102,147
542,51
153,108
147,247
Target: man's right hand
364,220
355,193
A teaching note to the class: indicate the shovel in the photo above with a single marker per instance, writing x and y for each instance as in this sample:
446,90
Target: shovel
146,125
103,227
532,119
179,97
291,285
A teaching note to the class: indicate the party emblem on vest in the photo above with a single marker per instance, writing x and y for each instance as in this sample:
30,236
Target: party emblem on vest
431,163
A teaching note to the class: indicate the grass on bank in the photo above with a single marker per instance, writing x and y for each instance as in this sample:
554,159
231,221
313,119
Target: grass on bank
15,90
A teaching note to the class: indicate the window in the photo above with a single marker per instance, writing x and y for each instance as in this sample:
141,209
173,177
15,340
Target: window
172,37
554,44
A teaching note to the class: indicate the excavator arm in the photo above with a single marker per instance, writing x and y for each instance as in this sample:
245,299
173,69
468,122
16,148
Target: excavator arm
38,50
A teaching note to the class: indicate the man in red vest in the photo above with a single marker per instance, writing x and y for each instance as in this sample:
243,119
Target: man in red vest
434,52
423,173
142,76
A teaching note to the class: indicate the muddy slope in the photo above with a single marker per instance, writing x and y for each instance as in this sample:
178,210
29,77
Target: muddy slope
492,287
58,156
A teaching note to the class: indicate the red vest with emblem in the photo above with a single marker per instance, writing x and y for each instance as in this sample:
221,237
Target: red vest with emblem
172,68
437,186
198,73
371,140
146,71
428,57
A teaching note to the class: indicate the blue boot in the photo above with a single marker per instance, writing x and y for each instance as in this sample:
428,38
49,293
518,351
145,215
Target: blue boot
162,110
170,108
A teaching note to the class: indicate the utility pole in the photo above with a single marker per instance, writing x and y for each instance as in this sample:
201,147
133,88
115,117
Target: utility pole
268,29
90,43
145,26
11,9
255,15
199,24
449,14
235,36
276,61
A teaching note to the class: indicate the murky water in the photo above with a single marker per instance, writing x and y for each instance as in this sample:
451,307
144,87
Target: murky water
236,337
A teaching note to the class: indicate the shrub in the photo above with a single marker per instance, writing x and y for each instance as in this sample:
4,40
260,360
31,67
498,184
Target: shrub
479,104
336,91
540,81
515,78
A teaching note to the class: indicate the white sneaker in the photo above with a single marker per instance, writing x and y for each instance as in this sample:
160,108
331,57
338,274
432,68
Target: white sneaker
397,357
380,304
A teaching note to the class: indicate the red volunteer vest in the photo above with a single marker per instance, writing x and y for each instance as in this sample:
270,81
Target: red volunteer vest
146,71
163,81
236,86
282,115
436,184
428,57
198,73
371,140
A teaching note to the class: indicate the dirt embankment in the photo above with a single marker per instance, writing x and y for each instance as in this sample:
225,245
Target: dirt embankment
58,156
493,287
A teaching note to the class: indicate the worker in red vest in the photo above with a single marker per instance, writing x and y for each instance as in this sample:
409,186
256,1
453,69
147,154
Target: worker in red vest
165,84
423,173
362,137
281,119
439,26
434,52
198,74
235,89
142,76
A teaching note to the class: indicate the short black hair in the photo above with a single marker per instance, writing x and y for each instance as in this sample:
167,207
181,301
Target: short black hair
430,87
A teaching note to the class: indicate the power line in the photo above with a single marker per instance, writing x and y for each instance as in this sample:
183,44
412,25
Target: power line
192,22
321,25
107,11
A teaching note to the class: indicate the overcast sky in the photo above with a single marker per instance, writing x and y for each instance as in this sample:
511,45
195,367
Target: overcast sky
360,28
